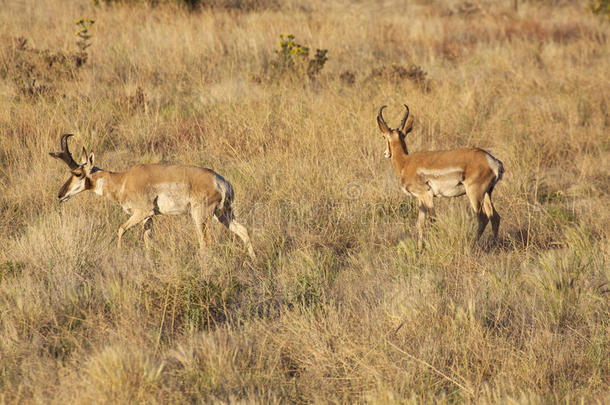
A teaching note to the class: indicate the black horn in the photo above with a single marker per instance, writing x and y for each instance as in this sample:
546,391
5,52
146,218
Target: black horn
404,119
65,154
381,122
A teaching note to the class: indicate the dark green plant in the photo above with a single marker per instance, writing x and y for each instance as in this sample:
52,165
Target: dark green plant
83,41
10,269
317,63
600,7
290,54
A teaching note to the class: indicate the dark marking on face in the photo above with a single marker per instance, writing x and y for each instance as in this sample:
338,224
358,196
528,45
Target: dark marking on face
64,189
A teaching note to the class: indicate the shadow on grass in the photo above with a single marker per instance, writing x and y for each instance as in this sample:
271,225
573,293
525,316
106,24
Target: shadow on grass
520,239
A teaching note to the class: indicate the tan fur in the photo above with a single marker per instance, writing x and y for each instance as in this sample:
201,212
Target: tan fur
147,190
142,184
448,173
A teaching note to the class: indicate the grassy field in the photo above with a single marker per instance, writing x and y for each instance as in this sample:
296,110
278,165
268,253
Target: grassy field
338,306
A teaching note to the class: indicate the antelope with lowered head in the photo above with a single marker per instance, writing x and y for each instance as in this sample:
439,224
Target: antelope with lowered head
147,190
447,173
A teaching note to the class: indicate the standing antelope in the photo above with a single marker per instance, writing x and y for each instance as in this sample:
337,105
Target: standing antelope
147,190
448,173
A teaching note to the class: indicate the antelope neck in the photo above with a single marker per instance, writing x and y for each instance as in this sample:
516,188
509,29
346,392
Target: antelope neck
399,155
107,184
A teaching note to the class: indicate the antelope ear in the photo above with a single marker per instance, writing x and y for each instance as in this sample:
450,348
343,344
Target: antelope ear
408,126
83,156
91,159
55,155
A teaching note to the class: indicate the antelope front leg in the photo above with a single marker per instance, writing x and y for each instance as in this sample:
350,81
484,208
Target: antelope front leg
421,219
426,208
137,217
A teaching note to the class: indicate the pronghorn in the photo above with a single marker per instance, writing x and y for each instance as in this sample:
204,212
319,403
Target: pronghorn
448,173
147,190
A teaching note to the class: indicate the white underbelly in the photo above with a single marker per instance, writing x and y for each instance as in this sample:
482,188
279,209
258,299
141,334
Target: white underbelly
171,206
446,188
171,199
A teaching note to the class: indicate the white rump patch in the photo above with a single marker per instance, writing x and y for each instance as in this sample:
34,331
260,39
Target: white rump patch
495,165
224,188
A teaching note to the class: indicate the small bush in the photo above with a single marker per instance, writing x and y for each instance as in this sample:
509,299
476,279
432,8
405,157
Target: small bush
241,5
348,77
84,40
600,7
398,73
133,102
293,59
36,72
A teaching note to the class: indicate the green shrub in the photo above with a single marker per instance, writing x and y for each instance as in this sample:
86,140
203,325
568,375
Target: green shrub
293,59
600,7
84,40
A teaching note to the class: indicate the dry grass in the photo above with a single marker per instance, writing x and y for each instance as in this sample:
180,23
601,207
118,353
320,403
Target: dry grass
338,306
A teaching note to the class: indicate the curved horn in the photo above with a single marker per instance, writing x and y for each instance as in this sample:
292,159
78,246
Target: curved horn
63,142
381,122
404,119
65,154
